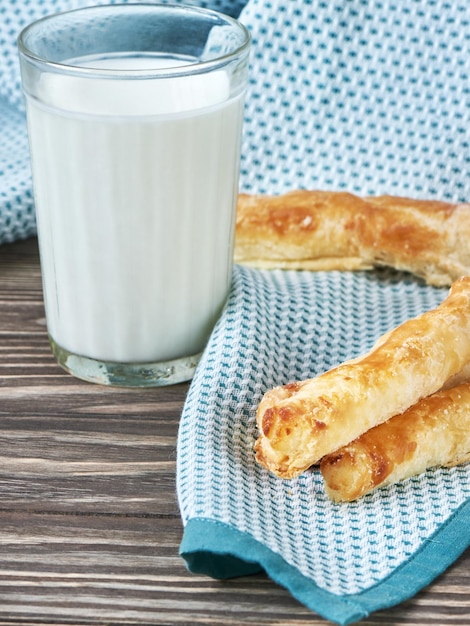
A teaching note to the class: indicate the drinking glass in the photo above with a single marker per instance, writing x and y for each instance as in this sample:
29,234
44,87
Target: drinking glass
134,119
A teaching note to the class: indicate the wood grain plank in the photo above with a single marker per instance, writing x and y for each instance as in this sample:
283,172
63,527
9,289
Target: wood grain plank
136,577
62,449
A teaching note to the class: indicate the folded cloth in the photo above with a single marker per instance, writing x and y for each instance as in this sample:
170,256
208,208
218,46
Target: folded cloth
17,219
345,560
368,96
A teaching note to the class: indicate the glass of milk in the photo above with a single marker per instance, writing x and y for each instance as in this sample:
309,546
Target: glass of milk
135,118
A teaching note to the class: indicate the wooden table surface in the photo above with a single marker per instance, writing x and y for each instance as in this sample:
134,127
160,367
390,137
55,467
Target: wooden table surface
89,521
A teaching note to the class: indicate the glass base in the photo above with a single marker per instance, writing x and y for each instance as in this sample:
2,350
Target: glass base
125,374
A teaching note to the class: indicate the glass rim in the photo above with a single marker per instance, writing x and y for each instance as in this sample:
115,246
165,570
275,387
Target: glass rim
162,72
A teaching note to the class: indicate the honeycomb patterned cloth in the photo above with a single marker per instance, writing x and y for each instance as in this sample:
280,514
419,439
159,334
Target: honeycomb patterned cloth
368,96
344,560
371,97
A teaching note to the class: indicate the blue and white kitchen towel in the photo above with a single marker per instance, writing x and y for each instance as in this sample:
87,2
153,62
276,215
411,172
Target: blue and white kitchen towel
345,560
368,96
372,97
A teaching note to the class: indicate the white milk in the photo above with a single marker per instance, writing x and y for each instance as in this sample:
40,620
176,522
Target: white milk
135,187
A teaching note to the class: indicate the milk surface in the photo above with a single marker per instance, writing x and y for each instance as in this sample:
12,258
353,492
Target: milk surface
135,186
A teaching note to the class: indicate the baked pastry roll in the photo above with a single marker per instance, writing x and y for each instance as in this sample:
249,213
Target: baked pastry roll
434,432
322,230
301,422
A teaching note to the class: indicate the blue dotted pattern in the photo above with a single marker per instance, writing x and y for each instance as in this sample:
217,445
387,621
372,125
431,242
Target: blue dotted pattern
284,326
369,96
17,218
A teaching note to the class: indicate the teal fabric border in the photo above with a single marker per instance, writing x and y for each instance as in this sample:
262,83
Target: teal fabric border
218,550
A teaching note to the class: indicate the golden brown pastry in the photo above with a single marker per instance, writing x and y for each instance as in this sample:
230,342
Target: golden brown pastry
301,422
322,230
434,432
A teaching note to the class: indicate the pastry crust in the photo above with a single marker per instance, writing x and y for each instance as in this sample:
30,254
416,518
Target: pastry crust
301,422
434,432
322,230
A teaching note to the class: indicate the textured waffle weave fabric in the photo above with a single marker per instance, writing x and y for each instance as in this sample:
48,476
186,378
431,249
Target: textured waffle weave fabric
341,560
370,97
